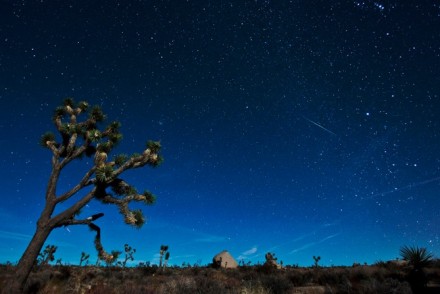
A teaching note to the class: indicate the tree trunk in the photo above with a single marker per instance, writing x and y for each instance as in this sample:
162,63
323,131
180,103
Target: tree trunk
27,260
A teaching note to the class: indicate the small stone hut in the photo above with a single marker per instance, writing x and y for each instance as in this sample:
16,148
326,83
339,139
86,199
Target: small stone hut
225,260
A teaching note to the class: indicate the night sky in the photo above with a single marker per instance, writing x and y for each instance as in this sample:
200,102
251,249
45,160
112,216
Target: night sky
295,127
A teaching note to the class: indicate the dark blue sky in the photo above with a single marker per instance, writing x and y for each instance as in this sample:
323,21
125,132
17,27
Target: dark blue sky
298,128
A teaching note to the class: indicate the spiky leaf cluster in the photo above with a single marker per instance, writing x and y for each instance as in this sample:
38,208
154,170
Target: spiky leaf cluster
47,138
104,147
120,159
94,135
149,198
96,114
157,160
120,188
417,257
59,112
104,173
69,102
113,134
139,217
69,129
154,146
83,105
114,138
134,155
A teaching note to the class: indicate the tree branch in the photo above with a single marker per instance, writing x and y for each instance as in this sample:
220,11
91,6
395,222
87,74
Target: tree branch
135,162
52,184
83,183
86,221
74,155
89,221
74,136
58,123
70,212
126,200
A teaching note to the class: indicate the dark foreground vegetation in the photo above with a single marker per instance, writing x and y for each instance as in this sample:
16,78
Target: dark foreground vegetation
379,278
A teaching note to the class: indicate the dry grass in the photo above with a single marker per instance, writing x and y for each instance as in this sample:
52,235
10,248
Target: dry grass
381,278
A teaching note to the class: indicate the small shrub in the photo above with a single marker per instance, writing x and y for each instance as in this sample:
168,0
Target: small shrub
301,278
209,286
276,283
331,277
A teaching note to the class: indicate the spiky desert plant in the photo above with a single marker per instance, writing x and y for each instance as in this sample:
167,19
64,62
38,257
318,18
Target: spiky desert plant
316,259
417,257
162,252
47,255
84,257
167,257
114,255
270,258
80,134
129,251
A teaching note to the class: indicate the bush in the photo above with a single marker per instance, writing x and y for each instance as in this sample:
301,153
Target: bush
276,283
300,278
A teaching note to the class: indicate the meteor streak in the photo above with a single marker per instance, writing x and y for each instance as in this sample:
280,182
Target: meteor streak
407,187
318,125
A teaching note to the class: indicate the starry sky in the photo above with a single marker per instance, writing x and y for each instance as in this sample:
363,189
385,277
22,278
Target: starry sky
296,127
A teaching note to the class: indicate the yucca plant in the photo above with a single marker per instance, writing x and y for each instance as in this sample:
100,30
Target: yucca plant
416,257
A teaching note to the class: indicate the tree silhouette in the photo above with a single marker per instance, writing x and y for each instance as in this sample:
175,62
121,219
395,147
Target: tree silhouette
129,251
47,255
162,252
316,259
167,257
81,136
84,257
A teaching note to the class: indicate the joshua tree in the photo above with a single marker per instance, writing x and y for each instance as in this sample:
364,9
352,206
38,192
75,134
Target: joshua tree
316,259
115,255
81,136
128,254
418,259
47,255
167,257
162,252
84,257
270,257
271,260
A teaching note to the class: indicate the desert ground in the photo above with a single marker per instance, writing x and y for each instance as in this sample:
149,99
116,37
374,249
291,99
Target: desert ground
382,277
